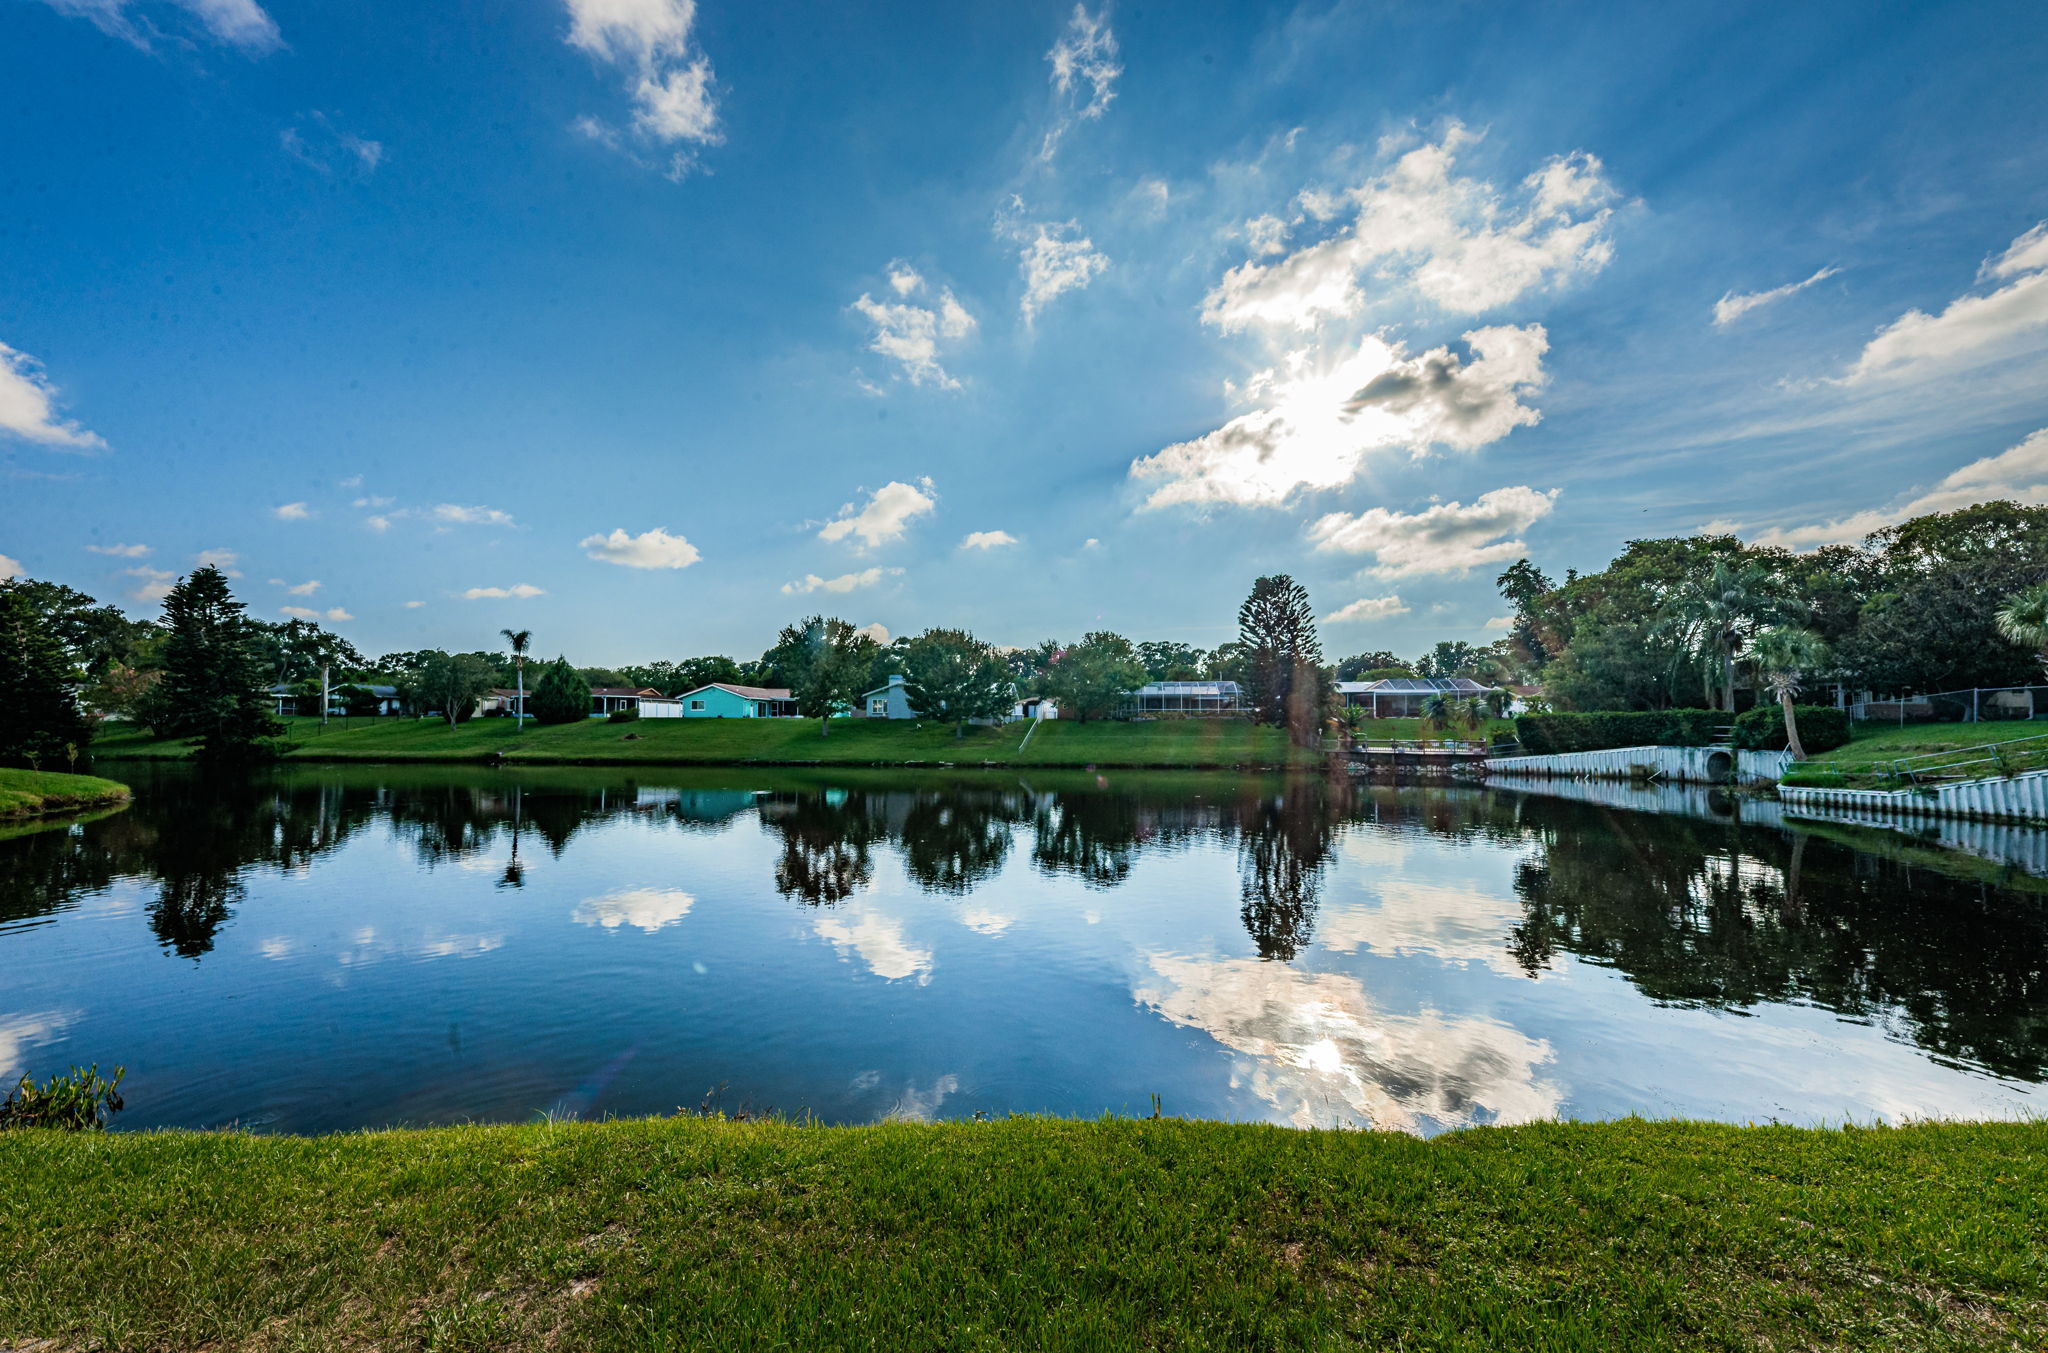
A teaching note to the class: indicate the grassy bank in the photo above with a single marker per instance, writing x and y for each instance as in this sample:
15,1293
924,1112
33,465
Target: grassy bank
682,742
1028,1234
1866,761
28,793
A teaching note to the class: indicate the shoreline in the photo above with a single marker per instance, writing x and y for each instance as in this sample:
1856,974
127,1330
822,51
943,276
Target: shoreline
26,796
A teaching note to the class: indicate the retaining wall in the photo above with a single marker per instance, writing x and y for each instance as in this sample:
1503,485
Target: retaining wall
2019,798
1683,765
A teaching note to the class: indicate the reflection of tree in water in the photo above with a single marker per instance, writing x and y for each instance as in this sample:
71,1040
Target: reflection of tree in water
1091,836
954,839
1694,913
826,838
1283,849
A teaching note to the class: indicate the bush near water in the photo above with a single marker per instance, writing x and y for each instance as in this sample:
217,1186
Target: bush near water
1551,734
1822,728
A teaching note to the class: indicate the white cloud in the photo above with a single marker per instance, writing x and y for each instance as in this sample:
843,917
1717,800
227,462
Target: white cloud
338,613
354,481
986,540
845,582
472,516
378,524
1367,608
11,568
315,141
156,582
299,612
647,909
1971,328
28,405
655,548
648,42
120,551
1499,623
371,502
877,941
1442,538
224,560
520,591
414,605
291,512
2019,474
1318,426
888,512
1084,74
911,334
877,631
1153,196
1732,307
305,589
1058,259
238,23
1458,243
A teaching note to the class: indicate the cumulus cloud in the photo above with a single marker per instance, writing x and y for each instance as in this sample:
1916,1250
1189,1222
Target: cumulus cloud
414,605
518,591
1499,623
305,589
845,582
11,568
224,560
885,516
457,514
877,631
2019,474
241,24
1318,426
670,81
1980,328
1367,608
1084,74
1458,243
28,405
1732,307
986,540
1442,538
299,612
315,140
1057,259
291,512
338,613
910,333
155,583
650,549
120,551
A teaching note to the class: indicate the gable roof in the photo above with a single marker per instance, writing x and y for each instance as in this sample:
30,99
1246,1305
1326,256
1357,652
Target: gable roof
743,692
648,691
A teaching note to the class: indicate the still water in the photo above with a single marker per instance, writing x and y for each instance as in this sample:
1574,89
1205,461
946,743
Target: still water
318,948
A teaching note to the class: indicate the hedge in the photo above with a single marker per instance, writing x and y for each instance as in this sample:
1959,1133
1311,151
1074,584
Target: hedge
1548,734
1822,728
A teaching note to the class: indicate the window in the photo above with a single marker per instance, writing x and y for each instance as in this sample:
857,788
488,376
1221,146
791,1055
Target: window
696,704
878,709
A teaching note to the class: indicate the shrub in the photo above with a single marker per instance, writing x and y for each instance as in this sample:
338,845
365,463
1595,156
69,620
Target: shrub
1549,734
560,696
1822,728
622,715
79,1101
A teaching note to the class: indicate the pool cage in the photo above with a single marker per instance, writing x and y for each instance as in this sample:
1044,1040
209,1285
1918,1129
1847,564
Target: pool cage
1189,699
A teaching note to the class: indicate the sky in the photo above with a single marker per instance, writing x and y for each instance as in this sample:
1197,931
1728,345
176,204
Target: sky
651,325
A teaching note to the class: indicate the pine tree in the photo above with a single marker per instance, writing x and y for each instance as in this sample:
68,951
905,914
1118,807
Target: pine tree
215,685
39,712
1281,650
561,695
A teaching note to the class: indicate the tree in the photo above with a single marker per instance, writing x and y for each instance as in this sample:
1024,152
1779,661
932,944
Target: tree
953,676
1092,678
1278,631
1450,657
303,648
454,682
560,696
1525,587
1355,667
519,641
37,680
1784,656
825,661
2024,620
1167,661
215,682
1717,611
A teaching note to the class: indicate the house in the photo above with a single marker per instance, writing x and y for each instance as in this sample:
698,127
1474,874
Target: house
284,701
606,700
723,700
1035,707
891,701
501,700
1404,697
1187,697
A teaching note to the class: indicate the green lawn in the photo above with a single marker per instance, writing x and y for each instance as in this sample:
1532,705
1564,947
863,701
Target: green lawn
1866,761
1028,1234
1418,730
24,793
1192,742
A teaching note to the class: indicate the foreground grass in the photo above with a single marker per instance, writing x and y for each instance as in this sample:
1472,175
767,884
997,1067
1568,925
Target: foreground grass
1029,1234
1866,761
680,742
27,793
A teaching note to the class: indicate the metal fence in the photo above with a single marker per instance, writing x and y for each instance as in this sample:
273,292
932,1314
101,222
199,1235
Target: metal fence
1983,704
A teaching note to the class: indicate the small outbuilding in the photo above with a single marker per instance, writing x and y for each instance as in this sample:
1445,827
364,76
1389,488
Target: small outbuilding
891,701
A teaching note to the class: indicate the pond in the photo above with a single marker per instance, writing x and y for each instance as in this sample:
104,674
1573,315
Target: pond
315,948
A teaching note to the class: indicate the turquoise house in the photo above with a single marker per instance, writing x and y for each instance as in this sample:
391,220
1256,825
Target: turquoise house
722,701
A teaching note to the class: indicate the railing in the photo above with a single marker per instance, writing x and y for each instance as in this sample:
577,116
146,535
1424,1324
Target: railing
1973,763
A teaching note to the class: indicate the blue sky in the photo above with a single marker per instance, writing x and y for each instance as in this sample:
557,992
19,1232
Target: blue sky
649,325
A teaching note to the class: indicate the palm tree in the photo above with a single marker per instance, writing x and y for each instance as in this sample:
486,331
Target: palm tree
1783,656
520,641
2025,620
1715,613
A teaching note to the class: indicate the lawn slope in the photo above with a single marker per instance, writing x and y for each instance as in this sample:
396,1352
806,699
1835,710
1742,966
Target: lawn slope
1028,1233
28,793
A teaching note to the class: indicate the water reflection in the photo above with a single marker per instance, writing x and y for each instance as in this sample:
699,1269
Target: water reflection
1354,953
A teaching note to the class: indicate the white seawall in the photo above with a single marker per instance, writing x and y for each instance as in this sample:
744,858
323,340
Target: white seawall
2018,798
1683,765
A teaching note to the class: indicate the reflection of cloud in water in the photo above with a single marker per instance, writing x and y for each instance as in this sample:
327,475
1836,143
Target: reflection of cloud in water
1452,923
920,1106
648,908
986,921
1319,1050
277,947
371,949
877,941
19,1033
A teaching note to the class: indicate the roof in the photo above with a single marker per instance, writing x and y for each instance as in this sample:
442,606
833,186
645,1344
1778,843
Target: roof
628,690
505,692
743,692
1222,689
1414,686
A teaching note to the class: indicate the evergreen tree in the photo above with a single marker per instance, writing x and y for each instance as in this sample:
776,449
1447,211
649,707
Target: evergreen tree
215,685
39,712
1278,631
560,696
952,676
825,661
